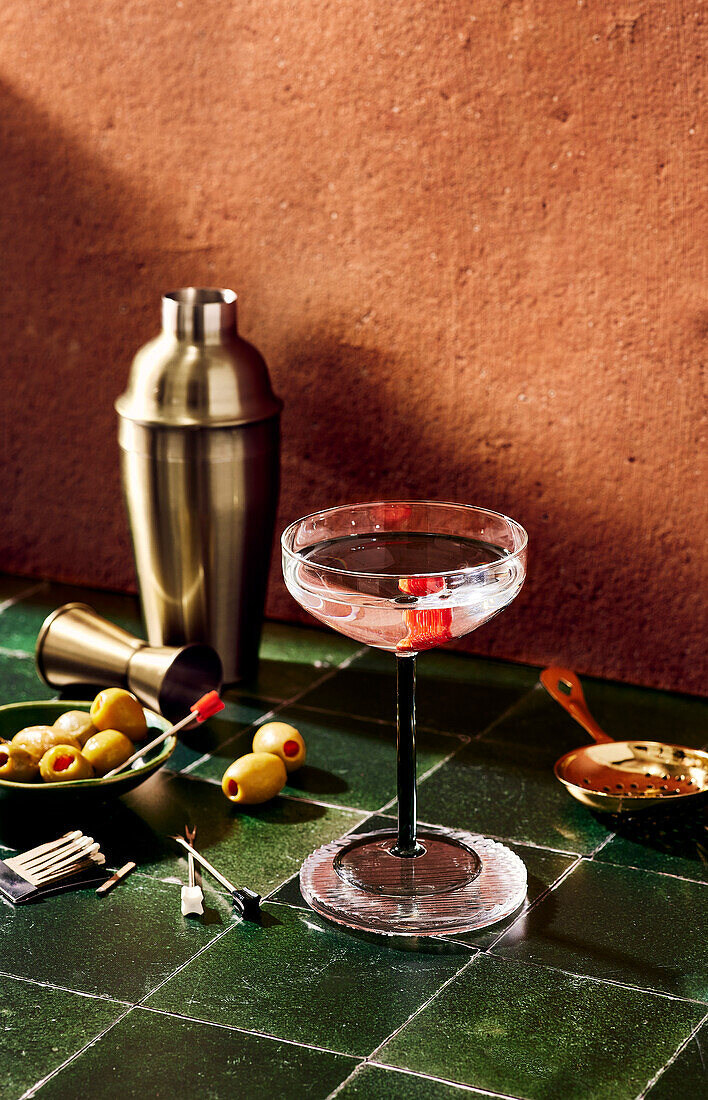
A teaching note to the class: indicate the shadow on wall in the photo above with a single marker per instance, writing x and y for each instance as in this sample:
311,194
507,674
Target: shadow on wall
82,252
592,585
85,252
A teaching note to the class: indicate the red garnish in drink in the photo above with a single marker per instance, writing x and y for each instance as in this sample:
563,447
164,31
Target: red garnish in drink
421,586
392,512
429,627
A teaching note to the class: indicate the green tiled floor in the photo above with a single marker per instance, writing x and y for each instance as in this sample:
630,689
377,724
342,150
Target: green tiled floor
687,1074
137,1058
508,790
630,926
454,694
358,754
120,946
672,843
40,1027
595,990
534,1032
298,978
374,1083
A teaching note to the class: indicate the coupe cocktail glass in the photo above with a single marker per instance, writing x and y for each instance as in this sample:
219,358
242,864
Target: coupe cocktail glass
406,576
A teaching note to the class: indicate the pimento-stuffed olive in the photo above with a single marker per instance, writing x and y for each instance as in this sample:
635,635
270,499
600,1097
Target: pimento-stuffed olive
77,723
64,763
116,709
283,740
254,778
107,749
17,763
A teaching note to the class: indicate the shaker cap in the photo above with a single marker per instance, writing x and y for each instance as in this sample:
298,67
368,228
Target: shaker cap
198,372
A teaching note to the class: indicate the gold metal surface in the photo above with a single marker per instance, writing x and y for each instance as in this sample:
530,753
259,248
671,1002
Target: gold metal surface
199,438
75,645
621,776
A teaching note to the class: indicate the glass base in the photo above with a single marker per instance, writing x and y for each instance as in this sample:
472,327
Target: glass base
458,882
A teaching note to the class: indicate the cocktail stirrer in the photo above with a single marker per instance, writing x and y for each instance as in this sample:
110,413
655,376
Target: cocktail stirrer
204,708
192,896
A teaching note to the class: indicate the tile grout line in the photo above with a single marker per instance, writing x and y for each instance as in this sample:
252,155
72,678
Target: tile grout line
426,775
327,675
645,870
641,870
420,727
58,1069
367,1060
593,978
536,902
326,805
244,1031
601,845
24,594
504,839
505,713
103,997
677,1053
34,1089
295,874
474,1089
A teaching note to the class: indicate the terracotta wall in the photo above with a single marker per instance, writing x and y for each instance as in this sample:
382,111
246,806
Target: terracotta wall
468,236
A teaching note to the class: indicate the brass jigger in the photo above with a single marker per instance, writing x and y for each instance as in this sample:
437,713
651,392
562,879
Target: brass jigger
622,776
76,645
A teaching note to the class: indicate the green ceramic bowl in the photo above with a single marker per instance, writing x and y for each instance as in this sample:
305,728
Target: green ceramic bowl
15,716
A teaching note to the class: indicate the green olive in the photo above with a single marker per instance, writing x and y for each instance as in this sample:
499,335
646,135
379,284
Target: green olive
254,778
77,723
115,709
283,740
17,763
63,763
107,749
34,739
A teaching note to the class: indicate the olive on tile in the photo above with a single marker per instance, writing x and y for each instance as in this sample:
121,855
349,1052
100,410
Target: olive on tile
77,723
107,749
17,763
64,763
255,777
116,709
283,740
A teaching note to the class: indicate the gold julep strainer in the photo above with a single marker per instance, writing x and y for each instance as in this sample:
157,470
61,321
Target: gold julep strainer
621,776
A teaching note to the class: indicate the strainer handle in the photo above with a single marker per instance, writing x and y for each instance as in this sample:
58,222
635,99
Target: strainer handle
564,686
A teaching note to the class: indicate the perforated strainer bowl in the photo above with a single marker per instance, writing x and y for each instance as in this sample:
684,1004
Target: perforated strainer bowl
621,776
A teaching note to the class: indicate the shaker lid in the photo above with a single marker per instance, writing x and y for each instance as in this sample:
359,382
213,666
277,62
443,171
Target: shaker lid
198,372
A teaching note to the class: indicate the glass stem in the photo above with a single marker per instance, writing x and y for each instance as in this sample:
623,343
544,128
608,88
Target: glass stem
406,845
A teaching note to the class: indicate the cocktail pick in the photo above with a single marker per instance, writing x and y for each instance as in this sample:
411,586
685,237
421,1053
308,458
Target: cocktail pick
209,705
72,860
246,901
192,896
113,881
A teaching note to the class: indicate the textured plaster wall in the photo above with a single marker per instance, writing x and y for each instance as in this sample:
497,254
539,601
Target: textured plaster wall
468,236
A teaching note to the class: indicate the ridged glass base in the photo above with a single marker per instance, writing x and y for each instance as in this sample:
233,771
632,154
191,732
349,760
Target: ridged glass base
458,883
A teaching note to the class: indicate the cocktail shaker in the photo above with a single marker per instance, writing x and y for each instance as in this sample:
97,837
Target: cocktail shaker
200,450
